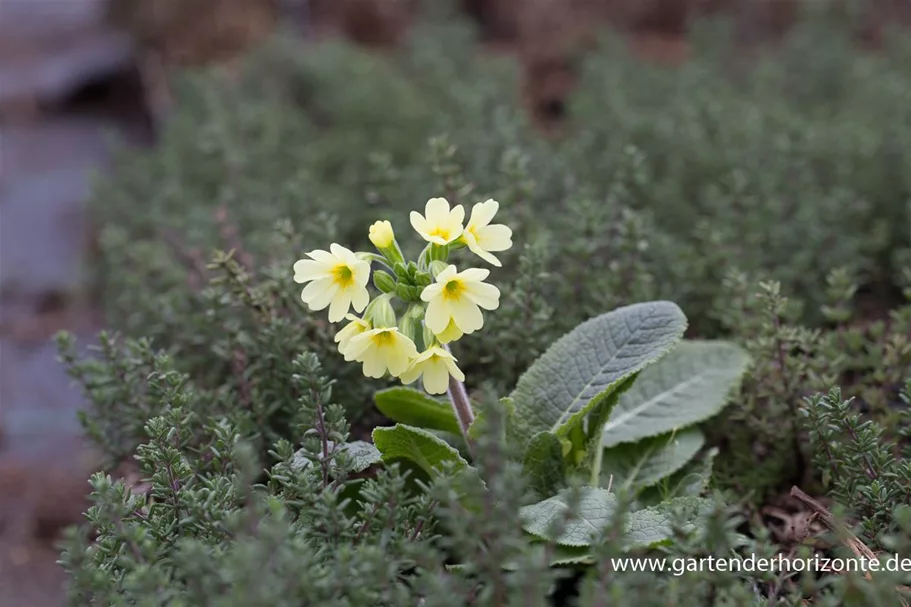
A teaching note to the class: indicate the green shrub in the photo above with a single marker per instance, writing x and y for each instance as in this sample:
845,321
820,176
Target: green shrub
669,180
768,206
209,526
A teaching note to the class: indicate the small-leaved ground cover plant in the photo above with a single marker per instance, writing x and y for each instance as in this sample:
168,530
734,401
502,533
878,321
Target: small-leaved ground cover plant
621,343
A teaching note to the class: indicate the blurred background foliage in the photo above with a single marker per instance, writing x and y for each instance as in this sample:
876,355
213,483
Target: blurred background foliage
638,181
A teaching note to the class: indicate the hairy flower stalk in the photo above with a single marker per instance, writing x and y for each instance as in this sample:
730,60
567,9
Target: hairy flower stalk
461,405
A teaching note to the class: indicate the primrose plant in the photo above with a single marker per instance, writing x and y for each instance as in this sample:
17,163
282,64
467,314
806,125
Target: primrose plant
441,304
614,404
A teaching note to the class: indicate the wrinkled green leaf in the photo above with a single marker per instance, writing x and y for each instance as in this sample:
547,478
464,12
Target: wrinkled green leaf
588,459
589,363
653,526
543,464
689,385
594,511
644,463
477,426
417,445
572,555
406,406
362,453
690,481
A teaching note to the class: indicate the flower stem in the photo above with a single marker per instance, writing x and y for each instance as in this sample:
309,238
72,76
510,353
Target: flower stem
461,405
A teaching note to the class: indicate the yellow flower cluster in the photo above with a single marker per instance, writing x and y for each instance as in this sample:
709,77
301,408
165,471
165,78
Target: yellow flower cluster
442,303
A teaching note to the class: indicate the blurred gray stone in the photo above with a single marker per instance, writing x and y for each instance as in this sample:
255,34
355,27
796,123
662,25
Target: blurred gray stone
39,400
48,48
45,178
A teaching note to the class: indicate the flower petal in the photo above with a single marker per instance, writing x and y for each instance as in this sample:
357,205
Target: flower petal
339,306
485,295
374,365
359,344
437,211
495,238
360,297
319,293
323,257
447,274
397,362
482,213
340,252
454,369
456,217
419,223
451,333
436,378
409,375
467,315
431,291
361,272
488,257
436,240
306,270
437,315
474,274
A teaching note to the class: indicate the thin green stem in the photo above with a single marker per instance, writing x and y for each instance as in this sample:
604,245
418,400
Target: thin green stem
371,257
596,465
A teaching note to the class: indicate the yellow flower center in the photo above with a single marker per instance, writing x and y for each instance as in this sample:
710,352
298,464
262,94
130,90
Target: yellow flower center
453,289
441,232
383,338
342,275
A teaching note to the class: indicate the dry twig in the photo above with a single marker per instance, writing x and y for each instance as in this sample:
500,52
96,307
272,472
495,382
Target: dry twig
850,540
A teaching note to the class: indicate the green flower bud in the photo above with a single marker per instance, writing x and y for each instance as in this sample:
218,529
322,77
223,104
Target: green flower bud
380,313
428,336
383,238
423,279
410,324
383,281
438,252
407,293
401,271
433,252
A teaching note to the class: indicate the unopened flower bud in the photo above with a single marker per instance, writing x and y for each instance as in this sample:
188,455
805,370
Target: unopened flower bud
409,325
383,238
401,271
383,281
408,293
381,234
428,336
380,313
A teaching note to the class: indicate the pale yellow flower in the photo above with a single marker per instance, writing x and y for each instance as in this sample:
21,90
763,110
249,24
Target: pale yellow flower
482,238
381,234
338,280
436,365
439,224
381,350
451,333
351,330
457,297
